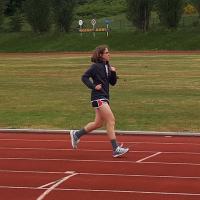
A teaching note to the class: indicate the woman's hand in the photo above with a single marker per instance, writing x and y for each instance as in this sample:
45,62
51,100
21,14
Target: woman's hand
98,87
113,69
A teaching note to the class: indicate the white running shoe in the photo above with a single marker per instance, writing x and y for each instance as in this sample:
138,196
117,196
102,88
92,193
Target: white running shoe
74,139
119,151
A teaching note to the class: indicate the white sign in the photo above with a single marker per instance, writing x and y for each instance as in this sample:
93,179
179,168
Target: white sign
80,22
93,22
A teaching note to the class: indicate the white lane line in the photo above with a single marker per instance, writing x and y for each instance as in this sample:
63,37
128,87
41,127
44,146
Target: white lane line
29,171
49,184
54,182
94,150
102,174
96,141
54,185
99,161
151,156
109,191
131,191
141,175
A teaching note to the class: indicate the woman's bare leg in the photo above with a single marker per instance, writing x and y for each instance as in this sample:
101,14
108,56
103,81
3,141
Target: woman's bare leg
76,135
97,123
107,115
103,114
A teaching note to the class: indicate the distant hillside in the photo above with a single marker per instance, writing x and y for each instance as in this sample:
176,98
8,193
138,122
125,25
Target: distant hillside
100,8
122,37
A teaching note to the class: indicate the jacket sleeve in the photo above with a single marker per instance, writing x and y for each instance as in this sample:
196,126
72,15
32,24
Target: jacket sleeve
113,78
86,77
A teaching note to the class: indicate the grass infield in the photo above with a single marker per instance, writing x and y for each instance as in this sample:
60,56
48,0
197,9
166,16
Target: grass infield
155,92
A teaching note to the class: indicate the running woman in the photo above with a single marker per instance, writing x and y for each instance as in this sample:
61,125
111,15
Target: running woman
98,78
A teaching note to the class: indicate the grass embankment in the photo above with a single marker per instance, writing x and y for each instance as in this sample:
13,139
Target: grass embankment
118,41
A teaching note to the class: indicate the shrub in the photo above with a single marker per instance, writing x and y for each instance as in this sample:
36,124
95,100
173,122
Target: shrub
170,12
63,14
16,22
189,9
138,12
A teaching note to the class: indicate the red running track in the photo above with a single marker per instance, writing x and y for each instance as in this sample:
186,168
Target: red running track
44,167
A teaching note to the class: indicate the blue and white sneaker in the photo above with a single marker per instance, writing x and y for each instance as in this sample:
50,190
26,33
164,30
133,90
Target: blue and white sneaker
119,151
74,139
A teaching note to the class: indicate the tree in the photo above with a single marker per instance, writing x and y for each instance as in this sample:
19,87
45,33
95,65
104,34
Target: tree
81,2
196,4
38,14
2,8
138,12
14,12
63,13
16,21
13,6
170,12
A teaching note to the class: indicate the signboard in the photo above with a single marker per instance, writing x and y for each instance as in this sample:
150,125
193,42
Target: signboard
107,21
94,29
93,22
84,30
80,22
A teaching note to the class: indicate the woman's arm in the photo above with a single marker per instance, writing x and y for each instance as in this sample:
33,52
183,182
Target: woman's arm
86,78
113,76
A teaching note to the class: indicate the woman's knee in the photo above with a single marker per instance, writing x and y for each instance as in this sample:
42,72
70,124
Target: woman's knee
92,126
111,122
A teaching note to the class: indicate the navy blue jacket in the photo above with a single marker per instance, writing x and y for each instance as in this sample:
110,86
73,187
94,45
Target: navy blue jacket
97,74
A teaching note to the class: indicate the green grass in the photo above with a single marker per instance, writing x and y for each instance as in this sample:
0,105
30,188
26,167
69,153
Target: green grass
154,92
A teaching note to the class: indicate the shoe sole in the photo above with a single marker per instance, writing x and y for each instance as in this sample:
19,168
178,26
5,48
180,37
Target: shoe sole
119,155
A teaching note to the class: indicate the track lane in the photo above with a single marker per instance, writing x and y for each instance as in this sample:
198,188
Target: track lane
9,193
160,169
96,142
183,175
115,183
108,195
